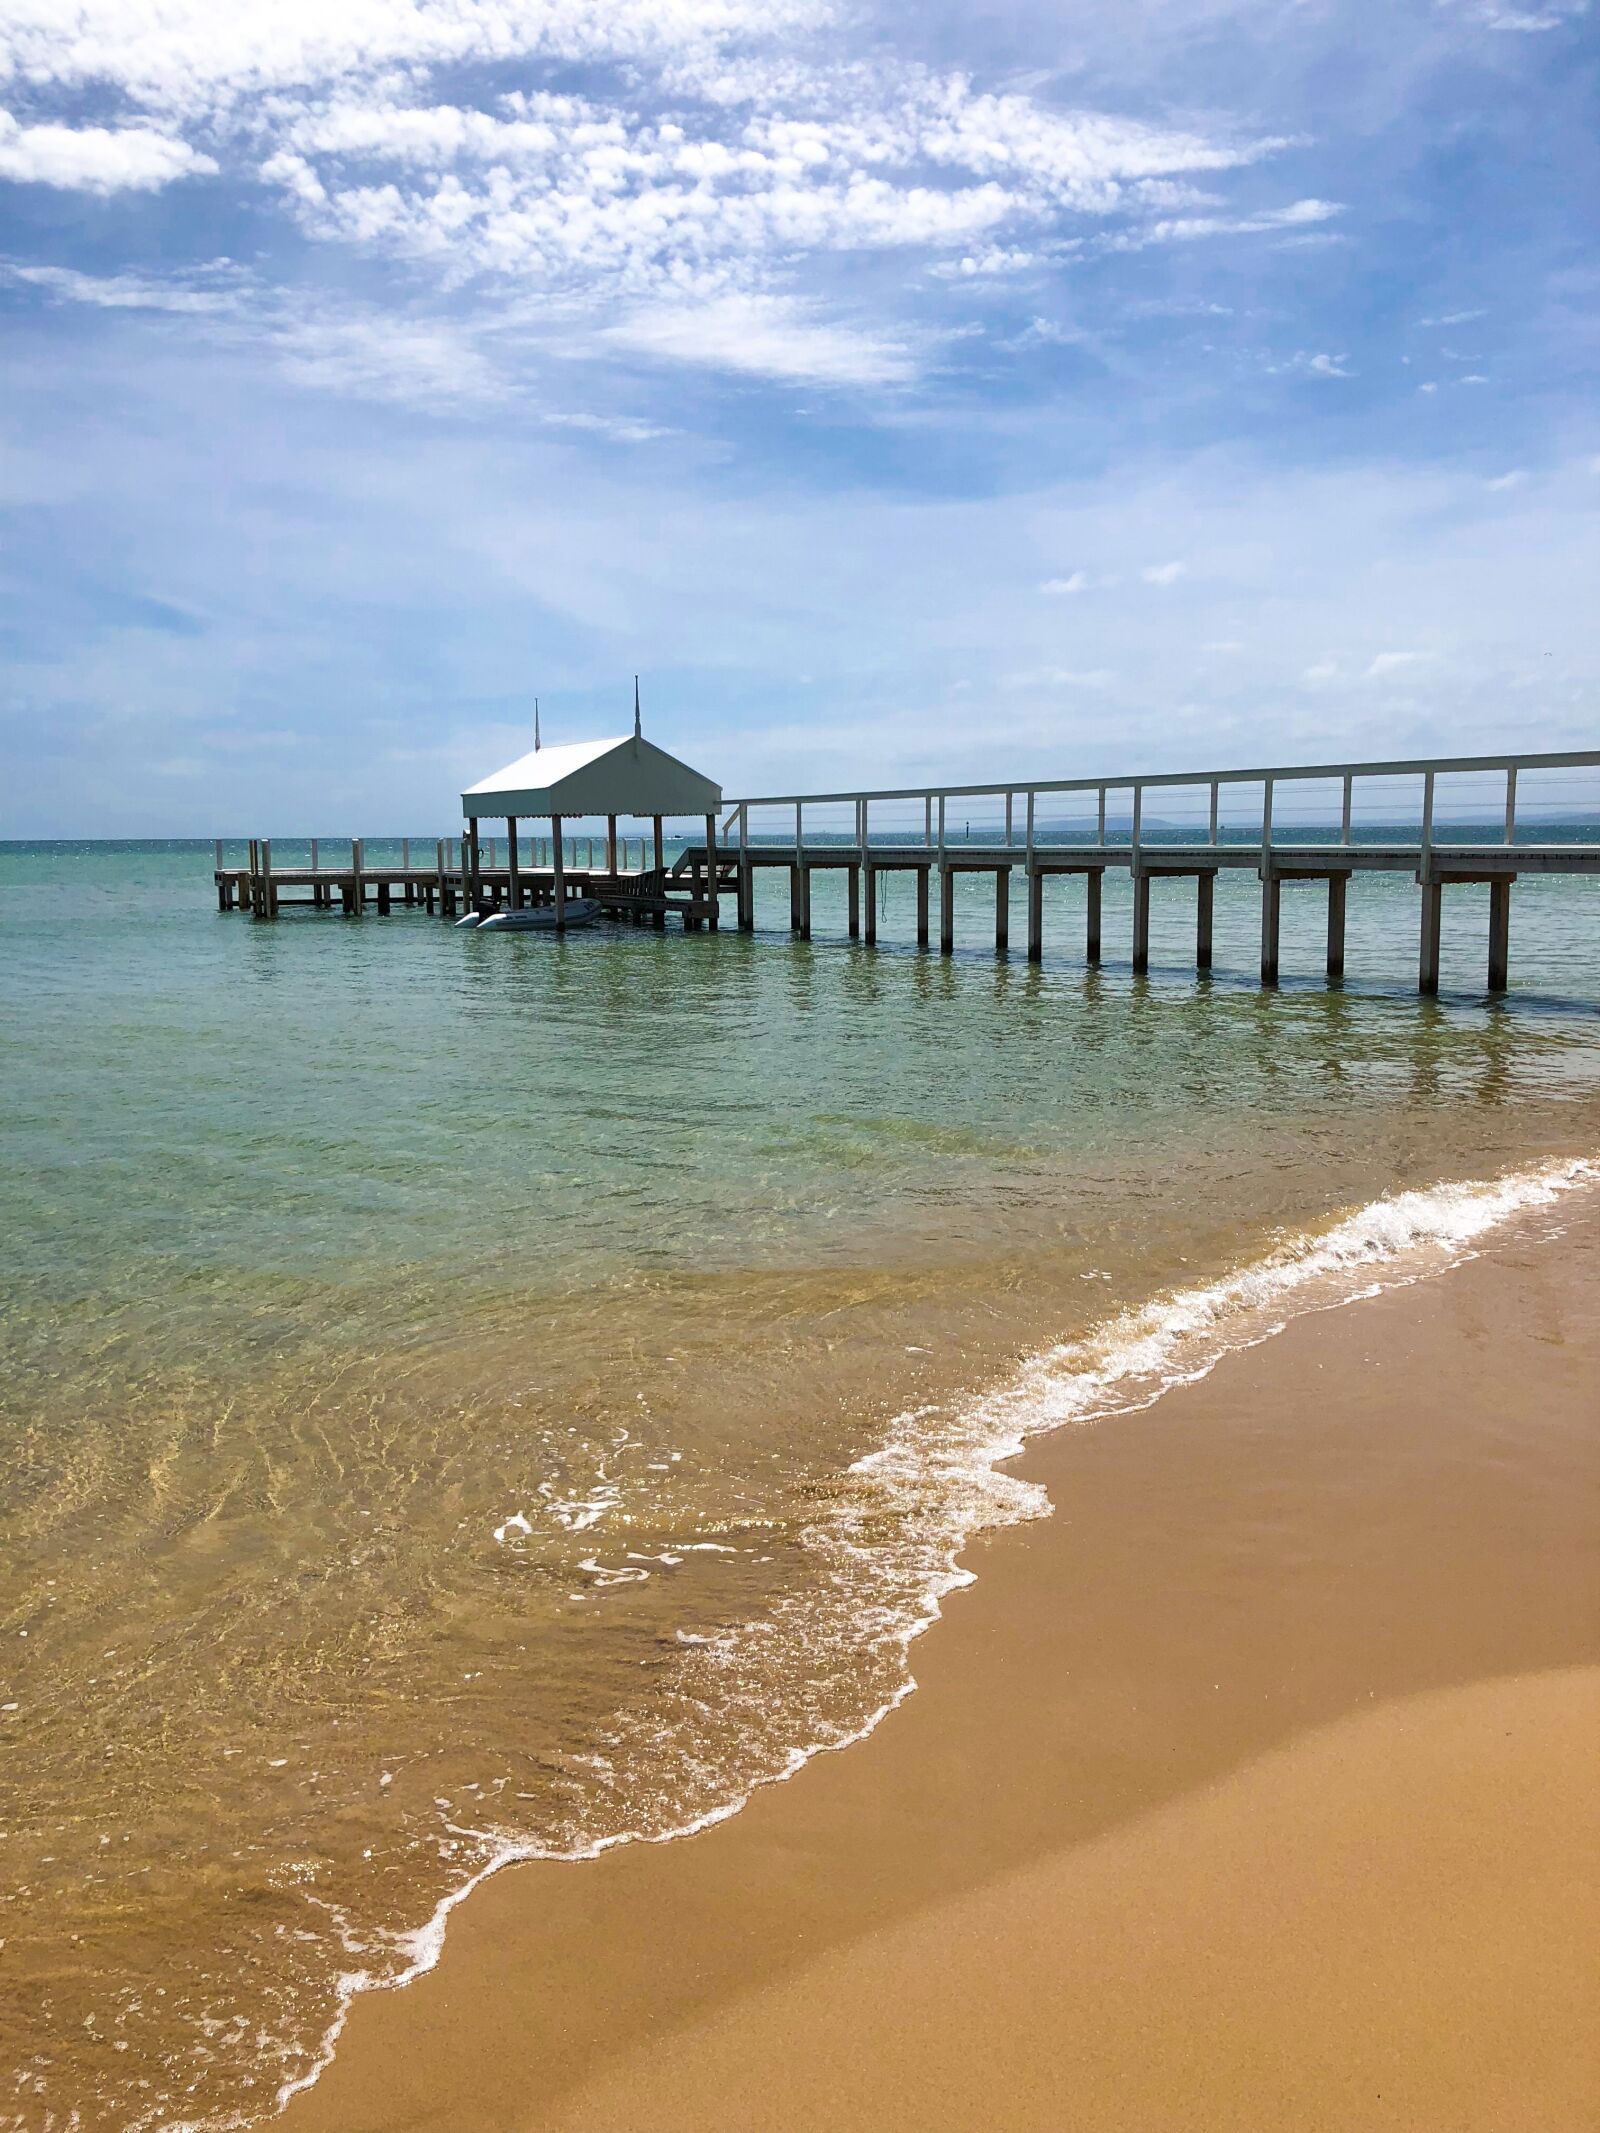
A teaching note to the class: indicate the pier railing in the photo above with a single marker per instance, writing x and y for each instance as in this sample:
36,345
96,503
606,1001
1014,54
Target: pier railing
1484,818
1505,798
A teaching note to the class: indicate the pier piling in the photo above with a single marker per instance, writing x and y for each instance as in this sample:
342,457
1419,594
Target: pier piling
1428,950
1499,933
1337,885
1271,913
1141,922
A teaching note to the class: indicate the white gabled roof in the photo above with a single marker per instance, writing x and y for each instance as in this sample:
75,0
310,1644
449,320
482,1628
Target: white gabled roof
628,776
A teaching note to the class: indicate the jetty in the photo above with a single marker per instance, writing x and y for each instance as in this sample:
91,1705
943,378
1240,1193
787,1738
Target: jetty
1445,822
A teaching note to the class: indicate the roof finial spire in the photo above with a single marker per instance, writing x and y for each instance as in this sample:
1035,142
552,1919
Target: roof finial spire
637,727
536,725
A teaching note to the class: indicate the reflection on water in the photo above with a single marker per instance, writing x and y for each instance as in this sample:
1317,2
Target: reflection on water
436,1366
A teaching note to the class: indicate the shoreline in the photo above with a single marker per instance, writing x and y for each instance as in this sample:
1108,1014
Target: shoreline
394,2062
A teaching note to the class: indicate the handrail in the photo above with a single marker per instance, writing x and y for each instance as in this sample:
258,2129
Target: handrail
1410,766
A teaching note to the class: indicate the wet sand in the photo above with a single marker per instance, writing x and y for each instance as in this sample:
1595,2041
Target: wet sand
1255,1788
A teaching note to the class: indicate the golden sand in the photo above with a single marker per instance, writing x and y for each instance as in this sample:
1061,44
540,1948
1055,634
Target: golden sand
1253,1789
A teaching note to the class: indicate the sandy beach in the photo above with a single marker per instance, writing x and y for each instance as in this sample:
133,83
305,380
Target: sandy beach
1253,1788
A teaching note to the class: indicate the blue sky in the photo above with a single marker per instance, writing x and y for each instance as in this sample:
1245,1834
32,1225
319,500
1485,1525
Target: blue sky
944,392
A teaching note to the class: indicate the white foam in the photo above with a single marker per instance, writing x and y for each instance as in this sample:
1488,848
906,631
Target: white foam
947,1466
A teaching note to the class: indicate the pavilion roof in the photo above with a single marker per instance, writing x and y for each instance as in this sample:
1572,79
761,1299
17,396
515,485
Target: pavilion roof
625,776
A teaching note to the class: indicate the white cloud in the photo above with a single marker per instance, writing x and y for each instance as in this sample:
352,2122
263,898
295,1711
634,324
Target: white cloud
1512,479
1076,581
1163,573
1391,663
766,336
194,56
1299,214
1059,678
987,265
1307,365
1528,20
710,197
216,290
95,159
377,357
716,146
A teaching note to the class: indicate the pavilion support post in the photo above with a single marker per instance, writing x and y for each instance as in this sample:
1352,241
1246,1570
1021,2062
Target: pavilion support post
513,868
1002,899
659,918
947,911
854,893
713,895
1204,919
922,907
1035,915
558,849
1141,922
1499,933
472,885
611,844
1428,947
1271,912
1338,886
1091,930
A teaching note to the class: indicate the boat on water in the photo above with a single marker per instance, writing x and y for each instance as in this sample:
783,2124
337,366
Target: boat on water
537,918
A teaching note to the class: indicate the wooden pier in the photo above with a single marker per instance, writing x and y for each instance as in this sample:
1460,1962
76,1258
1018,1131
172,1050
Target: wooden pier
467,874
1040,831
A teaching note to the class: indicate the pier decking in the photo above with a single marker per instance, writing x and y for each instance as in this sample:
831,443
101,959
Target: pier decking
1321,823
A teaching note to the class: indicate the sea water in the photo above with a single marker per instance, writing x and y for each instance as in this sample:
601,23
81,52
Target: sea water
470,1398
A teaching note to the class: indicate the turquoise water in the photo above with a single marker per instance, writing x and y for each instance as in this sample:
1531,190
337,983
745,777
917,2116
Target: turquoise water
438,1367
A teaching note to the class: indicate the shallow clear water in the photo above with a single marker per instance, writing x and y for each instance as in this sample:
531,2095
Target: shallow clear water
438,1369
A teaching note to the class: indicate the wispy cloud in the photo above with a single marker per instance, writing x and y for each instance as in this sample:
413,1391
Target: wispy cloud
1299,215
764,336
